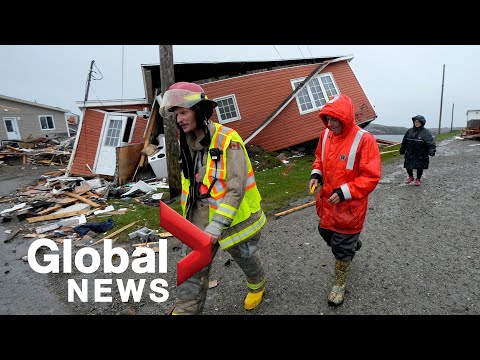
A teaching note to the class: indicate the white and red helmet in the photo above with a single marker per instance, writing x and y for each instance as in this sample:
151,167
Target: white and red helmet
182,94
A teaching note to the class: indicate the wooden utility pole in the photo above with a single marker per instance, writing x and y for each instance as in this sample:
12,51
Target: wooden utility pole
451,124
167,78
88,81
441,101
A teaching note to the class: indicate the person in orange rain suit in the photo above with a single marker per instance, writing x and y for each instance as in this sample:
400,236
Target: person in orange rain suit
347,166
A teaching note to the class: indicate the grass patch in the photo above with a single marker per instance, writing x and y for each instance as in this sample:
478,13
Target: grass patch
447,135
281,185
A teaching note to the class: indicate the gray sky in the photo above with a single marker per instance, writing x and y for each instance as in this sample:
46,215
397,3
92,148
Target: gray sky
400,81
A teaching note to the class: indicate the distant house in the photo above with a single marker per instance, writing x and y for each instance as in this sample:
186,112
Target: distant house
273,104
22,119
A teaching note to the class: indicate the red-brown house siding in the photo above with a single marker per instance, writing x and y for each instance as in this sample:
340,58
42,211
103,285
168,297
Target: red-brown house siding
139,130
258,95
87,145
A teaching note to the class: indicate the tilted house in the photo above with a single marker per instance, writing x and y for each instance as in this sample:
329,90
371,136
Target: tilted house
268,102
22,119
273,104
105,127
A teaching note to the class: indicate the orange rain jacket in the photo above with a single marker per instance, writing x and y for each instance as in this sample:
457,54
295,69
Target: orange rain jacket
349,161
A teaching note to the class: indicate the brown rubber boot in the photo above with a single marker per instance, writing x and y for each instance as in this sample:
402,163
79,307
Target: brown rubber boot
337,295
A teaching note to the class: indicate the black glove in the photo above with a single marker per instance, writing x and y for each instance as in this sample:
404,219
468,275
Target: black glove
431,153
339,192
402,151
318,177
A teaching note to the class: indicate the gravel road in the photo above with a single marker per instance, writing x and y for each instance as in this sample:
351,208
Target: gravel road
420,256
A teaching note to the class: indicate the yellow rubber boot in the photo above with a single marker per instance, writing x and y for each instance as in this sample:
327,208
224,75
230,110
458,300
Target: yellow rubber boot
253,299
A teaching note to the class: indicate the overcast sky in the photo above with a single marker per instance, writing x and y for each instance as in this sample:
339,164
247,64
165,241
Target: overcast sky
400,81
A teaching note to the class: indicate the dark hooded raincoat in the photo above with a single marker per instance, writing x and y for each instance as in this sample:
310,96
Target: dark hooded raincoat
417,145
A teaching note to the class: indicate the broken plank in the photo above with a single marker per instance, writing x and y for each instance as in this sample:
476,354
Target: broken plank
147,244
50,209
12,235
116,232
81,198
295,208
56,216
13,149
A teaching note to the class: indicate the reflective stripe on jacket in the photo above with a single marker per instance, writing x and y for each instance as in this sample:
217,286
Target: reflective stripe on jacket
238,210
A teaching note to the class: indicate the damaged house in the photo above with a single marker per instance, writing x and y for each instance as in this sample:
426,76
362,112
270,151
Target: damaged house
272,104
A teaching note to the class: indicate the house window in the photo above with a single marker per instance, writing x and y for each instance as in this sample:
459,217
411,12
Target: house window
227,109
316,94
46,122
113,132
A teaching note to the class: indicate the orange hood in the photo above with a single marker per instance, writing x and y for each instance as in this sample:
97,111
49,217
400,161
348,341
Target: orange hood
341,108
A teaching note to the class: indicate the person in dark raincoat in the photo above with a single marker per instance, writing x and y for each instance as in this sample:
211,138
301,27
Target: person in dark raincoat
417,145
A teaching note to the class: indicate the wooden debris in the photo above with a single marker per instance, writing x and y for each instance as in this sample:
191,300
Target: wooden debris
30,235
116,232
81,198
12,235
147,244
387,152
79,190
13,149
50,209
66,201
295,208
57,216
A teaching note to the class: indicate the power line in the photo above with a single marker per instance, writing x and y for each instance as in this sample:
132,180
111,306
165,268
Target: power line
298,46
311,55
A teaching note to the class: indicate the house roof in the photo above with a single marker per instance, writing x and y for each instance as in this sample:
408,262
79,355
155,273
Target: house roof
106,103
3,97
209,71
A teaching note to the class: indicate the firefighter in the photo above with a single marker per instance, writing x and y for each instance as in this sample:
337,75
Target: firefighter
219,193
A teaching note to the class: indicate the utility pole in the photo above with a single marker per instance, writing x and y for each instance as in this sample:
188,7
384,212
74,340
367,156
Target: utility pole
451,124
167,78
88,81
441,101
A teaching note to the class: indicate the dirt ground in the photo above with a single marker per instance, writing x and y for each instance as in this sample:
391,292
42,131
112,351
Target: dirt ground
420,255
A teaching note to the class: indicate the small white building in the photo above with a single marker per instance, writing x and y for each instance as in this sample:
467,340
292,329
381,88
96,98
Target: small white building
473,119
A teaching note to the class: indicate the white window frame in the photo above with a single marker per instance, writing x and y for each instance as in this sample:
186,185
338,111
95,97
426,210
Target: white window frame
235,104
310,95
40,122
